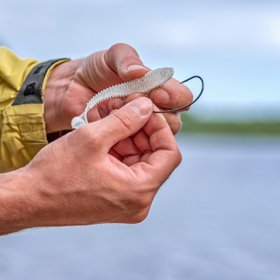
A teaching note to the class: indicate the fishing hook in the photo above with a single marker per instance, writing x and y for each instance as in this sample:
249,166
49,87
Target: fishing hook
182,108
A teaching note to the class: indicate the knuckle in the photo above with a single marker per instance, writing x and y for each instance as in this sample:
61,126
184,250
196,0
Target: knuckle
180,96
116,48
190,95
123,119
176,99
174,122
139,217
118,45
176,126
189,99
141,203
179,157
88,137
134,96
137,202
136,207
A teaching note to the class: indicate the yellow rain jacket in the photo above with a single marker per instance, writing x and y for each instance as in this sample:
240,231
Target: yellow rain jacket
22,126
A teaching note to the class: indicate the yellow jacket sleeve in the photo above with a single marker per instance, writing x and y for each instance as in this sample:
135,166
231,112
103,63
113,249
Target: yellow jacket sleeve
22,127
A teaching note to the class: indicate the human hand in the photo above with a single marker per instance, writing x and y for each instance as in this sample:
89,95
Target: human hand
72,84
79,179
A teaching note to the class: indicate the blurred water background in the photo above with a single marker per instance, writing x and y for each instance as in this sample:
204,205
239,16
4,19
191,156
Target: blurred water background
217,217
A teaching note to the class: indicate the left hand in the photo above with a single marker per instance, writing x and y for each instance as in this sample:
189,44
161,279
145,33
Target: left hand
72,84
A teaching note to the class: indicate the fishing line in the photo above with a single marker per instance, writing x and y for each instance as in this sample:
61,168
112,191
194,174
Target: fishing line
182,108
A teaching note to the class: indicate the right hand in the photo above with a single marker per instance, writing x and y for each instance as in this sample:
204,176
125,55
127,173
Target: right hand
80,179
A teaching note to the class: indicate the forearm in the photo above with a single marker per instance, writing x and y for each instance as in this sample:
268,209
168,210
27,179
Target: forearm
56,88
16,202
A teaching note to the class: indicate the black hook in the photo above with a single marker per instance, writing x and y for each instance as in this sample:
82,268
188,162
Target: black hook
182,108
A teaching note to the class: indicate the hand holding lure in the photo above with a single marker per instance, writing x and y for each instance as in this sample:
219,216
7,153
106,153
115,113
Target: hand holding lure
145,84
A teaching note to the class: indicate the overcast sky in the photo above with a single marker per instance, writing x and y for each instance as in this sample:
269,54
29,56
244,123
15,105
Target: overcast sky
233,45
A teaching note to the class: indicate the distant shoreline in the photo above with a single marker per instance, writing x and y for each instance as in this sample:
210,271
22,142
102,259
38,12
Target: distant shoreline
191,124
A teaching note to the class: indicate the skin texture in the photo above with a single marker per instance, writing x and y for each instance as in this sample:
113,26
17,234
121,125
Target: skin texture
107,171
72,84
78,180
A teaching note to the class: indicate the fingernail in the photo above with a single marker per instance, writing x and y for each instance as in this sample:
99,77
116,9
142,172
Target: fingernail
135,67
161,97
142,106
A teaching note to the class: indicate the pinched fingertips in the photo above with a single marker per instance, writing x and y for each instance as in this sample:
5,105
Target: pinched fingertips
172,96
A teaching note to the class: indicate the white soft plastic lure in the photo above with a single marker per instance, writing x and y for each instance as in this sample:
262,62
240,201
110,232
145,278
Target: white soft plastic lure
147,83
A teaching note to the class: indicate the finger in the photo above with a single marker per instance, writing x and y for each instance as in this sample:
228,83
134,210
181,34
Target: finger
173,119
109,105
172,95
129,161
135,96
125,61
116,103
142,142
103,109
115,154
123,122
93,115
127,148
166,155
95,73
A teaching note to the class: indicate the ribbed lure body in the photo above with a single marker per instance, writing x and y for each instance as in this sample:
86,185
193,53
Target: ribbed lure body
145,84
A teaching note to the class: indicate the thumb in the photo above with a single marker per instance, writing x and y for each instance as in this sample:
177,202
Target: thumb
124,122
125,61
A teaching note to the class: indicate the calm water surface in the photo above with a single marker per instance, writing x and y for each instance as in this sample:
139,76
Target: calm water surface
217,217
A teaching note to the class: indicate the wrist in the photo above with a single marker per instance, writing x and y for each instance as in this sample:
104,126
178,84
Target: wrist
17,203
55,90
